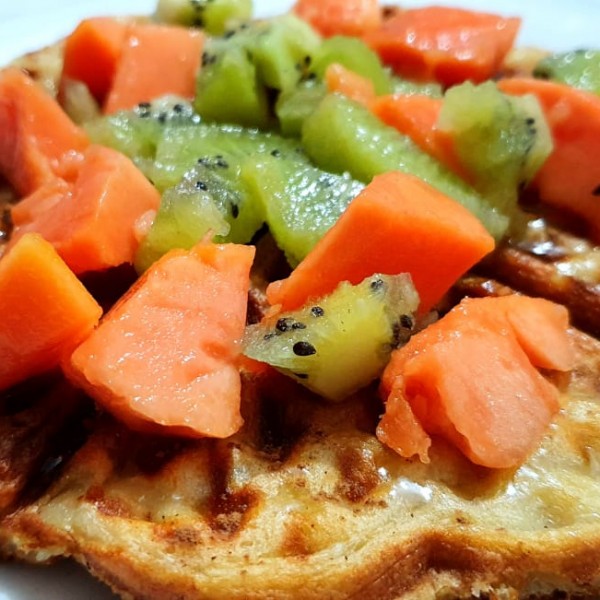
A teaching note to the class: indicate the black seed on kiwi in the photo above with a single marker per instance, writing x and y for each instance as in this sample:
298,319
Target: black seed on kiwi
304,349
317,311
377,285
284,324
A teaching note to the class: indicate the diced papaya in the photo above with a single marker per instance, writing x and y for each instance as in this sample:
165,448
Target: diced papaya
397,224
156,60
45,310
570,177
37,135
39,203
91,222
340,17
352,85
92,53
444,44
470,378
400,429
417,115
164,358
540,327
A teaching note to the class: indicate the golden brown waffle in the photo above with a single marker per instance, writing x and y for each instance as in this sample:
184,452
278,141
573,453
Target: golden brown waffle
41,425
305,503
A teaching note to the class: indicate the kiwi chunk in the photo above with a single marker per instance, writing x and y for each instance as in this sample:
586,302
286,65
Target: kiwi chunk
579,69
179,149
406,87
136,133
342,135
246,67
338,344
300,201
187,213
501,140
214,16
228,89
211,157
294,106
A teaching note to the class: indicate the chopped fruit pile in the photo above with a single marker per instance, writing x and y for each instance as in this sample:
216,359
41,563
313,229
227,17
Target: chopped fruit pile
370,160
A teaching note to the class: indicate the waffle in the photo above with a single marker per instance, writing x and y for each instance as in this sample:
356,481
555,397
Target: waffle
41,425
304,502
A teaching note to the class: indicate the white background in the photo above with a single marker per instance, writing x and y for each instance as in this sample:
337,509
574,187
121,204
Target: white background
29,24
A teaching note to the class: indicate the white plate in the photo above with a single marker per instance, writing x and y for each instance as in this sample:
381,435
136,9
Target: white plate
29,24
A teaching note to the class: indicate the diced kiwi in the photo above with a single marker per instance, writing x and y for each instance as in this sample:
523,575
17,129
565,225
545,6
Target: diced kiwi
214,16
579,69
502,140
342,135
212,156
241,68
228,88
300,202
409,88
283,51
187,213
338,344
181,148
137,132
355,55
295,105
240,209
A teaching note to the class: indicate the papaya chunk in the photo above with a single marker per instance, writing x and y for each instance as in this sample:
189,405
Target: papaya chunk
91,222
46,311
444,44
92,53
340,17
397,224
471,378
164,358
416,116
37,135
155,60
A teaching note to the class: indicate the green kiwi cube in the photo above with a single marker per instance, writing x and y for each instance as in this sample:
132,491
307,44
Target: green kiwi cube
341,135
295,105
579,69
181,148
136,132
338,344
406,87
187,213
214,16
501,140
228,89
300,201
283,51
